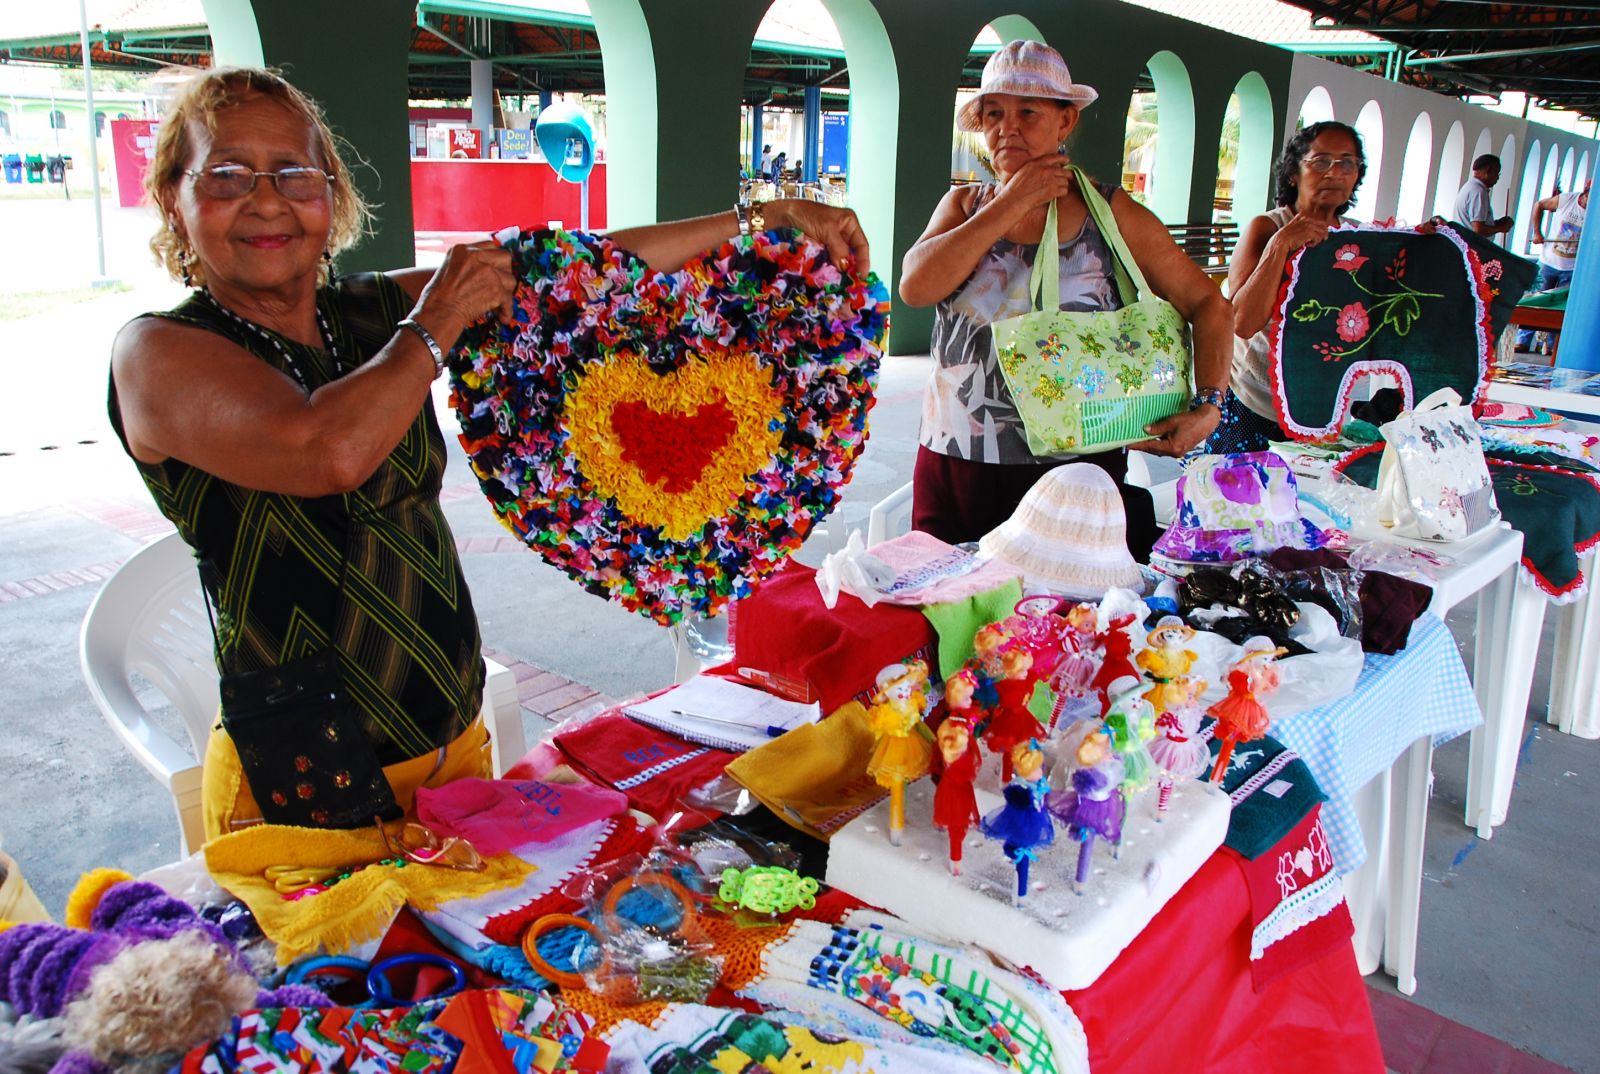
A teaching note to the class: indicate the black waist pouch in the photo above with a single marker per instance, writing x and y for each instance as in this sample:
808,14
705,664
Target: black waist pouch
301,746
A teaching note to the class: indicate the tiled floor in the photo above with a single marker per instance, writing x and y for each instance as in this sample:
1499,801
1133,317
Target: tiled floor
1418,1041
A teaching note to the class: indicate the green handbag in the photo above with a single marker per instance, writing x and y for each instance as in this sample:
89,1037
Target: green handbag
1091,381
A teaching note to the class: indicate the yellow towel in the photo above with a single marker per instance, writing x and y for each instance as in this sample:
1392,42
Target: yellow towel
815,777
263,864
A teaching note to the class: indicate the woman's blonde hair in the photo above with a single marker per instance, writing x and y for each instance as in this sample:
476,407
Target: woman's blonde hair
209,93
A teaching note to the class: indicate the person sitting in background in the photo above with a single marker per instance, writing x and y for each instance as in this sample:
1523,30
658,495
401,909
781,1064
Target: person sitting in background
1318,173
1472,206
282,420
974,263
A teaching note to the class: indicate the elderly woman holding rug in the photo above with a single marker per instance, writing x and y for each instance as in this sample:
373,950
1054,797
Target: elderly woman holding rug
282,421
973,263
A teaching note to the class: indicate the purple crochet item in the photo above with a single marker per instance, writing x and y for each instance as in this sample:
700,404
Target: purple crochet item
292,995
79,1063
43,967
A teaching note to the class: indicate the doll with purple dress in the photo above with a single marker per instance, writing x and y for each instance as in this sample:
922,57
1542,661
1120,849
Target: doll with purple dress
1091,807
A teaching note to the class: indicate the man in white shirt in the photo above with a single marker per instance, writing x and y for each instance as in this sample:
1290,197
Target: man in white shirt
1472,206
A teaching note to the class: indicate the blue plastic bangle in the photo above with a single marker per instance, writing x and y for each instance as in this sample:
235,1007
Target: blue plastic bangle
326,966
378,980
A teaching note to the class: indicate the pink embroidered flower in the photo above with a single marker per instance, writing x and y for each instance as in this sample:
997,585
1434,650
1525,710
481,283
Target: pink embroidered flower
1492,269
1349,258
1352,321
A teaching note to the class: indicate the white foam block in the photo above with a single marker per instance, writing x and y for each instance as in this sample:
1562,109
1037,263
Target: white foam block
1069,939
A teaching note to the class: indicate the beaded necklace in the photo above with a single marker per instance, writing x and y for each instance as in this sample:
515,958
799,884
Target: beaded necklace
276,341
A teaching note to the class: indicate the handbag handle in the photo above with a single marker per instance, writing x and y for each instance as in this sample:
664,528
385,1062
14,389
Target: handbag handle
1046,277
1439,397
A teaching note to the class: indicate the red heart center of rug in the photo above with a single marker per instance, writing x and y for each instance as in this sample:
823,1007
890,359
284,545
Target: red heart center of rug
671,450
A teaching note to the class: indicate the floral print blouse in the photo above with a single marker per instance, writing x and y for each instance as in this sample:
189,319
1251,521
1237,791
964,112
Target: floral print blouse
967,410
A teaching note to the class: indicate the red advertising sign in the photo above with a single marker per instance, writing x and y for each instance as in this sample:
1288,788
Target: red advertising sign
133,143
466,142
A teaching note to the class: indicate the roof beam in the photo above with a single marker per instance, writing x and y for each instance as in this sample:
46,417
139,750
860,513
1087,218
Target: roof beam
1505,53
1406,29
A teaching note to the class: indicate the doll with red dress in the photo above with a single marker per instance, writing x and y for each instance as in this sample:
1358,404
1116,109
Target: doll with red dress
1012,722
955,767
1116,663
1241,716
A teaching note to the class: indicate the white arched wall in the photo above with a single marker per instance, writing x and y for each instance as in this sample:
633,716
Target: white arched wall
1252,175
1582,175
874,121
1452,165
1170,178
1416,171
1505,191
1566,170
632,120
1315,107
1527,194
1552,172
1369,124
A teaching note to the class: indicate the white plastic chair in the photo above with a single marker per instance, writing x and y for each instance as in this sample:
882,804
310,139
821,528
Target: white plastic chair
890,516
150,619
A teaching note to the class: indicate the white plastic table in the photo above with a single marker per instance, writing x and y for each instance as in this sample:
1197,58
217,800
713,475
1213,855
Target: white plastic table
1574,690
1385,893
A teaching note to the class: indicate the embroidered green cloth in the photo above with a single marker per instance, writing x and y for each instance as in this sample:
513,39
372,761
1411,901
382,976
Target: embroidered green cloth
1552,500
1371,301
1505,275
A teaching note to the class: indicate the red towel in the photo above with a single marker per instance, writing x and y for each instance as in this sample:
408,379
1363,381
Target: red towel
654,769
783,628
1297,907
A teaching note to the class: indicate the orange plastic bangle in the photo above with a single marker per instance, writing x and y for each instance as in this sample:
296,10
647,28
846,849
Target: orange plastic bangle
549,923
687,923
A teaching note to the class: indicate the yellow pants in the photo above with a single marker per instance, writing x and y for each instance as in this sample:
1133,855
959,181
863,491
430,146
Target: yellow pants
227,805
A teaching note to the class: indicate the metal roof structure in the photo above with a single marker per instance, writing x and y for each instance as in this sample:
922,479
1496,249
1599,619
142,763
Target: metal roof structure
1456,47
1549,51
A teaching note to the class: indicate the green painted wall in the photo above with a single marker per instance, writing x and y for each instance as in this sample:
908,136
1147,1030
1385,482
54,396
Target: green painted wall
351,57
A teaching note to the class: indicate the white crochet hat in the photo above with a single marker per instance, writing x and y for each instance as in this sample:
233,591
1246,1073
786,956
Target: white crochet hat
1068,535
1025,69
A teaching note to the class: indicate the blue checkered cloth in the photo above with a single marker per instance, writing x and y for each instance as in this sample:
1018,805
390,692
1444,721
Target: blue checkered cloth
1421,690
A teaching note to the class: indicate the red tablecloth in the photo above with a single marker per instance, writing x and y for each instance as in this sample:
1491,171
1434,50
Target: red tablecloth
1179,999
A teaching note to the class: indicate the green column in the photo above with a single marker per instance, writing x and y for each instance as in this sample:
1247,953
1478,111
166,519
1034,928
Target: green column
350,57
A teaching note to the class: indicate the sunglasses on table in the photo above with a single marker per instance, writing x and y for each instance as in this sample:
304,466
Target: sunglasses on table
1321,163
229,181
418,843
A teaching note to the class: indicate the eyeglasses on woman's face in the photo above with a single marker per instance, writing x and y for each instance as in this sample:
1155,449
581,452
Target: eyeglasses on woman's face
228,181
1322,164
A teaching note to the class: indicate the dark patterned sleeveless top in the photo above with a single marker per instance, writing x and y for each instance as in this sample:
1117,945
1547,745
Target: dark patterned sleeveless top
967,410
403,622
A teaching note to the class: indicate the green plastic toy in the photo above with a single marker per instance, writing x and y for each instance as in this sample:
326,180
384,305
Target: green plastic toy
767,889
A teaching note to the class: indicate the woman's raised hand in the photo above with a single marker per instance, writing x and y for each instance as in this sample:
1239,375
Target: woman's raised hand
1038,182
476,280
837,229
1301,231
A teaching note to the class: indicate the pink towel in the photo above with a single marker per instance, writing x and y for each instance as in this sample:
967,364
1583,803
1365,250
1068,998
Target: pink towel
495,815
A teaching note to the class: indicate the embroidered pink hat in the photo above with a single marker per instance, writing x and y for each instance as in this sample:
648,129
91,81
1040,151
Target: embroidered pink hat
1068,535
1025,69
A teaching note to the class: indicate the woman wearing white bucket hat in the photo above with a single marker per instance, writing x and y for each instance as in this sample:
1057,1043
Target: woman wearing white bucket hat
974,262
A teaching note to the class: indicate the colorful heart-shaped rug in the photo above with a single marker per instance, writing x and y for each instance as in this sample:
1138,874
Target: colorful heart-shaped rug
668,439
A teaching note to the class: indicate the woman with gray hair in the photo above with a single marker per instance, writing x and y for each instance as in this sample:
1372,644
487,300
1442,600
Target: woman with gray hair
973,264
